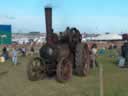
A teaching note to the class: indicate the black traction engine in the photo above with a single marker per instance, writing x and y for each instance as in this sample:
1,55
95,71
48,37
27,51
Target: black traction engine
62,55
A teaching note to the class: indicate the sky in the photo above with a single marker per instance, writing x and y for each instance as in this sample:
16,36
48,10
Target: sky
92,16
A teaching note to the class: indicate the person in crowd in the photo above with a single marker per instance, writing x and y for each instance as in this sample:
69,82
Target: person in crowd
32,51
23,51
93,55
8,48
4,49
5,53
14,56
101,51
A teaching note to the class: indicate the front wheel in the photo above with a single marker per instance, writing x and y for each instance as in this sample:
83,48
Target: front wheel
35,69
64,70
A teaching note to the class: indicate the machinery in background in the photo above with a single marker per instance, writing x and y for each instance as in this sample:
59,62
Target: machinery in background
123,60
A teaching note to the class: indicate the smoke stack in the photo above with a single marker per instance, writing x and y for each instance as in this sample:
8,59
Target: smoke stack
48,20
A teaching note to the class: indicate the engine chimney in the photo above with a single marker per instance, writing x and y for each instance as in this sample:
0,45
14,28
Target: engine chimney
48,21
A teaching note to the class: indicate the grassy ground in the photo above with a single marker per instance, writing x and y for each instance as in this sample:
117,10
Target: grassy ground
115,79
14,82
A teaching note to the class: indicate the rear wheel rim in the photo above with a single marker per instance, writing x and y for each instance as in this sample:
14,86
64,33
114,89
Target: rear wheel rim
86,60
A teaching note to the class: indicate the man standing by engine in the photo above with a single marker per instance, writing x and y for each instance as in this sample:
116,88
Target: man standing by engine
93,55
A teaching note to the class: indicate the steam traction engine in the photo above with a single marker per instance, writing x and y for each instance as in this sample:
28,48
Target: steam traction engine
62,54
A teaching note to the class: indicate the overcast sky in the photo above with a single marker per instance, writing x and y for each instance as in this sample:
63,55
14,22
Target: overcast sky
87,15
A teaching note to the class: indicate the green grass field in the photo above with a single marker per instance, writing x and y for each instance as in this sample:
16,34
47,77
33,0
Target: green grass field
14,81
115,79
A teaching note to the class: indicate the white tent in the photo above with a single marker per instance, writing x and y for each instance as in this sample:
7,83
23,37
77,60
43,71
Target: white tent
21,40
40,40
108,37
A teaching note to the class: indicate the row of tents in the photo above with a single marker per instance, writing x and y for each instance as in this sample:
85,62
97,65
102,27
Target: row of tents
27,40
101,37
105,37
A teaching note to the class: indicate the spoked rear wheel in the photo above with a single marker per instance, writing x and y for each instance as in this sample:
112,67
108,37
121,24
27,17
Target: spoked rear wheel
35,69
64,70
82,60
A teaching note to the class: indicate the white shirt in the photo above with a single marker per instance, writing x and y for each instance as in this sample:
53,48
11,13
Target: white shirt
94,51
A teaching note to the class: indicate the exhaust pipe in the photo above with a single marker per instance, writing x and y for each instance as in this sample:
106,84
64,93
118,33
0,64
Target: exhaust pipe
48,21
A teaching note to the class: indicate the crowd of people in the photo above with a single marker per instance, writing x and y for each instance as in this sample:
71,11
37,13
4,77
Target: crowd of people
14,52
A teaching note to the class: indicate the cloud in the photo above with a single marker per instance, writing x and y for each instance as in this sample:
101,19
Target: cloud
7,17
34,23
24,23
